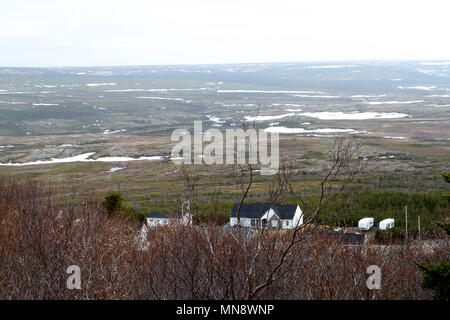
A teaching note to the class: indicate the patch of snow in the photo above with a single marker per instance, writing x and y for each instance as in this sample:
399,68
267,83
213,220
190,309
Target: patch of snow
100,84
81,158
214,119
161,98
393,102
427,88
13,102
302,130
67,145
390,137
293,110
314,96
353,116
368,96
156,90
113,131
265,91
266,118
428,72
435,63
336,66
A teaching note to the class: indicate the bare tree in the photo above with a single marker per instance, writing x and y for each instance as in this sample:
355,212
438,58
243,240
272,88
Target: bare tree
344,162
191,182
38,241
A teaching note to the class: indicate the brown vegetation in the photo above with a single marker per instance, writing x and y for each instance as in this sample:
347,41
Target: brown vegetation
38,241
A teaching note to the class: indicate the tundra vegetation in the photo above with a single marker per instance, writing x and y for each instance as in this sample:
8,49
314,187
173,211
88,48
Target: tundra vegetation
56,215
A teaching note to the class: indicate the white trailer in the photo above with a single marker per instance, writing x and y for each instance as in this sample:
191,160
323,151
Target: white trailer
386,224
365,224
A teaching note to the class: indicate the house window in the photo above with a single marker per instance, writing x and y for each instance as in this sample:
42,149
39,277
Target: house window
253,222
274,223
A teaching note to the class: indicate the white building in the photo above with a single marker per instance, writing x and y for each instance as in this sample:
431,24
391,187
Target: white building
275,216
365,224
386,224
155,219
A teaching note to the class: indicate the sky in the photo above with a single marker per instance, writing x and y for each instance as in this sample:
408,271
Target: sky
44,33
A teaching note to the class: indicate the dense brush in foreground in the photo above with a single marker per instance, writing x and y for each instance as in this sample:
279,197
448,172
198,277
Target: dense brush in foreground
39,241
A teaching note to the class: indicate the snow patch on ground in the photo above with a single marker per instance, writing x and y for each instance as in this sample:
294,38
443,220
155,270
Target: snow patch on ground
393,102
81,158
266,118
335,66
302,130
114,131
426,88
354,116
100,84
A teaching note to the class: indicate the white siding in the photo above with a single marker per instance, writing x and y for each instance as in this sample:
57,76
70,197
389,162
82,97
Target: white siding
245,222
285,223
298,218
268,215
153,222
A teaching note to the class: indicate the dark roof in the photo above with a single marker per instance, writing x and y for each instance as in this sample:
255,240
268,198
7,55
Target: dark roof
257,210
159,215
348,238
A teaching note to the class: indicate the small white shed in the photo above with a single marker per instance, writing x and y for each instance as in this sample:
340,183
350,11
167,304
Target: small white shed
365,224
155,219
386,224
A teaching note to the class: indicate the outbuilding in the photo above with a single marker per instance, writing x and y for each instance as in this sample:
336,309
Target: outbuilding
386,224
155,219
365,224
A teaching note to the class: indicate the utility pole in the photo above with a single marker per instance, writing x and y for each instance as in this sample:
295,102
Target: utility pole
418,222
406,224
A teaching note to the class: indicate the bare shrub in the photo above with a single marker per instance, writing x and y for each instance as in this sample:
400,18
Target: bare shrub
38,241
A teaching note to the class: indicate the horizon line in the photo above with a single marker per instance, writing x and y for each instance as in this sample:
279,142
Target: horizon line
228,63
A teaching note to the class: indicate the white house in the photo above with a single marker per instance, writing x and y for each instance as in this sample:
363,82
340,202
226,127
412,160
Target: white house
386,224
275,216
365,224
155,219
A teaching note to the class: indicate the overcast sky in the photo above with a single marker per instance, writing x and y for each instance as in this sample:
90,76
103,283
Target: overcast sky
106,32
